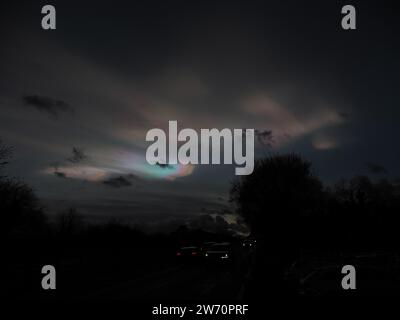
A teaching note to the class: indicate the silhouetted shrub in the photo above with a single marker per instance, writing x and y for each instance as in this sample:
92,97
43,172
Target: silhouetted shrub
20,209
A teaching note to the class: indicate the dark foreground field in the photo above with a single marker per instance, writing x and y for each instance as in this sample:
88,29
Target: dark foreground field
123,269
147,269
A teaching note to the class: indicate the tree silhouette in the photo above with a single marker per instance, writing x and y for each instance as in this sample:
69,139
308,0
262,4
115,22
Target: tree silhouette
280,190
70,222
20,209
368,210
277,201
5,154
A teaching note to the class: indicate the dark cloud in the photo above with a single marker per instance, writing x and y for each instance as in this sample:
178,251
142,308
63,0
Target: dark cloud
264,137
164,165
60,174
396,181
375,168
78,155
120,181
48,105
5,154
344,115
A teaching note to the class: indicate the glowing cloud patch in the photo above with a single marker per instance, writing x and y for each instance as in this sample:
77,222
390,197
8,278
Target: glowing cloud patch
123,166
170,172
80,172
322,143
138,165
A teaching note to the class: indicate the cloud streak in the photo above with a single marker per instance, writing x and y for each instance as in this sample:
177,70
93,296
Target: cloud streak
376,168
78,155
264,137
285,122
118,182
48,105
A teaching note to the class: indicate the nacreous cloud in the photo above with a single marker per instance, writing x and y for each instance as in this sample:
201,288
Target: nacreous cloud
285,122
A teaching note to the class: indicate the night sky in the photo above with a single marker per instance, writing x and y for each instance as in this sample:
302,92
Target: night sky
76,102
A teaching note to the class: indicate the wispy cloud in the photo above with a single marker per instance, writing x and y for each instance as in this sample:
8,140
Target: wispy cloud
51,106
375,168
285,122
118,182
60,174
90,173
78,155
264,137
322,143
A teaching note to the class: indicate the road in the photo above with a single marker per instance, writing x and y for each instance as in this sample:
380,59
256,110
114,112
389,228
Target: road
121,275
177,282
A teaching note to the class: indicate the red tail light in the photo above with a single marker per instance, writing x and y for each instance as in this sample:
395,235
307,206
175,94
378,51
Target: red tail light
194,253
178,253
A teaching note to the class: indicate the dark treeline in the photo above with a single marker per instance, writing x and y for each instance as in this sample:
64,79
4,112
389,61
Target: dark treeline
288,206
299,220
283,202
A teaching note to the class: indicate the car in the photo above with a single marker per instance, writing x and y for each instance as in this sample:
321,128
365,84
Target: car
188,253
219,251
249,243
206,246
